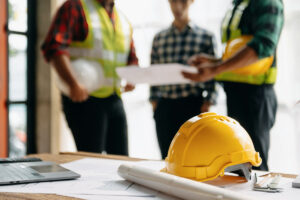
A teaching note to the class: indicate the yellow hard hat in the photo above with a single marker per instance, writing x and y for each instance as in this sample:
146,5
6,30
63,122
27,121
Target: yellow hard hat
257,68
206,145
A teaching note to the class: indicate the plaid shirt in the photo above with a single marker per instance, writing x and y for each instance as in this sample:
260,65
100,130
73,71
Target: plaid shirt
173,46
70,25
264,20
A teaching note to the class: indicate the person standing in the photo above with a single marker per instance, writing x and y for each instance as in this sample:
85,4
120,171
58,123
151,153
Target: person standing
251,98
175,104
93,30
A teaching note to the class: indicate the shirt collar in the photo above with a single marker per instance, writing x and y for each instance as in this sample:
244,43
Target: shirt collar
190,25
100,1
236,1
111,15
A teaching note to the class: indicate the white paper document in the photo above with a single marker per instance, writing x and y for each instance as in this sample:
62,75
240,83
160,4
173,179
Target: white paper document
158,74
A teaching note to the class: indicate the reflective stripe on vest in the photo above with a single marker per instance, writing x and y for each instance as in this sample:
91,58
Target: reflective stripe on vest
236,19
269,77
107,44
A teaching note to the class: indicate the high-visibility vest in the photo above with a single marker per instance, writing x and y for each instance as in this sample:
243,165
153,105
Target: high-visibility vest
269,77
105,43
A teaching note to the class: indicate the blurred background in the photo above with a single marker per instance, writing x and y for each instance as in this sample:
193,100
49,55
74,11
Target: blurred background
31,117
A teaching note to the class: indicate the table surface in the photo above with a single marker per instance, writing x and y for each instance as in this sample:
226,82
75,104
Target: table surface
59,158
68,157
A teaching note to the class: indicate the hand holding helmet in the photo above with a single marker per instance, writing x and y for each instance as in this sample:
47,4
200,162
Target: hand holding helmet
78,93
89,77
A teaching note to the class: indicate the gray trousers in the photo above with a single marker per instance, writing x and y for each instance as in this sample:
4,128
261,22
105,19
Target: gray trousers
254,107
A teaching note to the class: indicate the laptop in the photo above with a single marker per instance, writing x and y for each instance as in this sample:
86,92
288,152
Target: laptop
30,172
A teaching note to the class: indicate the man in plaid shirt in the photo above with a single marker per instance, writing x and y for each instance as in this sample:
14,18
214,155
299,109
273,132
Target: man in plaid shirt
175,104
251,99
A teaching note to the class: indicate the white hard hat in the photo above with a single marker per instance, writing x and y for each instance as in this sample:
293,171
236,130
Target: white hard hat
88,73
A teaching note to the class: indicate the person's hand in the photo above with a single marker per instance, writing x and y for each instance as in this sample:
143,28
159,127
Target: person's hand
206,66
154,105
201,58
206,72
205,106
78,93
129,87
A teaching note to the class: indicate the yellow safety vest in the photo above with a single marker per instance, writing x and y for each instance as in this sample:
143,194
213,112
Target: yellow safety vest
269,77
107,44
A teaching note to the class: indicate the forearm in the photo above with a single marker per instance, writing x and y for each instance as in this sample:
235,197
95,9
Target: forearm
246,56
62,65
132,58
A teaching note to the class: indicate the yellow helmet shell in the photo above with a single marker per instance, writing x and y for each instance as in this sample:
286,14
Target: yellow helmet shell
257,68
208,143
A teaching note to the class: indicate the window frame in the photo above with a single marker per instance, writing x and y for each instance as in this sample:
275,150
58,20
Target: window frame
30,102
3,81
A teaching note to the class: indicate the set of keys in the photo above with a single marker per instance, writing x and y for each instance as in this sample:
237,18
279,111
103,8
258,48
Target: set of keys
268,184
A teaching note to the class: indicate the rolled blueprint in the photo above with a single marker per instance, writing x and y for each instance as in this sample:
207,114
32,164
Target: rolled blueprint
176,186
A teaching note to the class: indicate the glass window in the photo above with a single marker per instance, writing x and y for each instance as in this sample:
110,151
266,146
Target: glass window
17,130
17,67
18,76
17,18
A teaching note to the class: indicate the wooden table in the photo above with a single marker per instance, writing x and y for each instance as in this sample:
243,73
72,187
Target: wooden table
59,158
68,157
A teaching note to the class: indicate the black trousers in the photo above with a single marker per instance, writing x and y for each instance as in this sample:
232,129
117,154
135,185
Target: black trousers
98,124
254,107
170,114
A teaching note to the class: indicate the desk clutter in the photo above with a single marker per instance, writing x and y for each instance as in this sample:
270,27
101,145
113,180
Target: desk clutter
100,180
296,182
